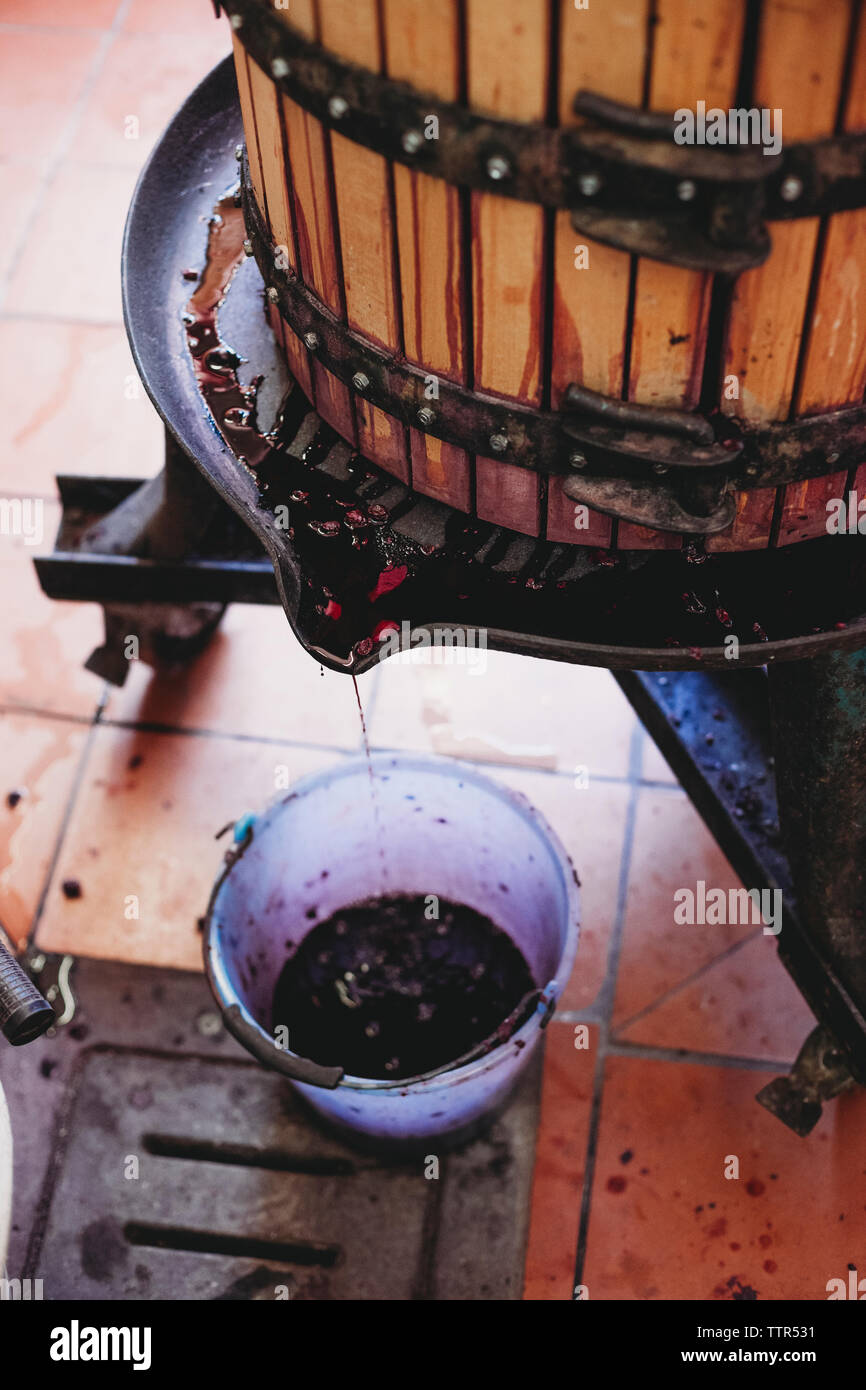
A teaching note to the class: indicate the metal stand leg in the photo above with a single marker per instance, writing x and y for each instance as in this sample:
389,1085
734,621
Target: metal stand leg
818,711
819,733
163,520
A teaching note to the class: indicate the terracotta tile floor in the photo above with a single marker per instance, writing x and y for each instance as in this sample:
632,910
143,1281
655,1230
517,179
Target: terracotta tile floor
665,1032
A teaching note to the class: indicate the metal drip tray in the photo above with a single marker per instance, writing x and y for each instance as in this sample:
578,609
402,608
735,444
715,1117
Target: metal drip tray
187,1178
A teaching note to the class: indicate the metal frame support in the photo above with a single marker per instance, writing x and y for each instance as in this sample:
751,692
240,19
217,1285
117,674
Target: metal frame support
818,710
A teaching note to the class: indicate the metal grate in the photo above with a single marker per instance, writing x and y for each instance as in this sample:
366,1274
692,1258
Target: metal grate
190,1178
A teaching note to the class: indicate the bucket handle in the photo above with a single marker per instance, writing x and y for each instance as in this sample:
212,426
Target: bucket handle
240,1027
267,1052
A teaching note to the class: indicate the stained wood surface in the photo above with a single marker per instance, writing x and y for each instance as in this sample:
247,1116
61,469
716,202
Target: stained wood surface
507,298
507,75
695,56
422,47
316,227
602,49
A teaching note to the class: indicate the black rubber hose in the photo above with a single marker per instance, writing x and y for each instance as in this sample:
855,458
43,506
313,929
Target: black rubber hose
24,1013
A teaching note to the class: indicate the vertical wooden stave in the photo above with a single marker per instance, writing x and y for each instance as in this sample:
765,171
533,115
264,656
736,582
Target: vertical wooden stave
363,202
317,242
422,47
246,100
507,75
695,57
799,69
276,181
833,369
602,49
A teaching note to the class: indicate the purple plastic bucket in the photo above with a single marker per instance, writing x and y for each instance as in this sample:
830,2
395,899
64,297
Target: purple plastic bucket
445,829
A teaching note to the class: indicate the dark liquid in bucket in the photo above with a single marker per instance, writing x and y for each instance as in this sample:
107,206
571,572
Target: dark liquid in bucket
384,991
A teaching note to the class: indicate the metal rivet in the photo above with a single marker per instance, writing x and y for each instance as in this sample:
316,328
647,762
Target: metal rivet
589,185
498,168
412,141
426,416
499,443
338,106
236,21
360,381
660,468
791,189
280,68
272,294
577,460
686,190
239,153
311,340
248,248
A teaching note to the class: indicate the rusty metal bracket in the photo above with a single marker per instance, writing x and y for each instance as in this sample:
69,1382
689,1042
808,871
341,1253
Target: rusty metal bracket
613,452
695,497
819,1074
704,208
621,173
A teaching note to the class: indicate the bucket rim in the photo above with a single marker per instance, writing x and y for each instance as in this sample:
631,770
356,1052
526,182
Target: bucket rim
253,1037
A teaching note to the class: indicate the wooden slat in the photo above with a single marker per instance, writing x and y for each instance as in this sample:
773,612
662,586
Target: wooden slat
350,28
801,58
752,525
276,180
804,509
571,524
318,248
695,57
603,49
507,75
768,307
799,67
252,139
422,45
631,537
834,366
441,470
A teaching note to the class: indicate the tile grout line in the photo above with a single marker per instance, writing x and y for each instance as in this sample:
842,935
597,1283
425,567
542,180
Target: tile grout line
154,726
61,320
689,980
71,802
606,999
651,1052
703,1059
73,122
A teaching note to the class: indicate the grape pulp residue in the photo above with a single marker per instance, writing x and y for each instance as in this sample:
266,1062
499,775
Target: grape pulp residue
384,992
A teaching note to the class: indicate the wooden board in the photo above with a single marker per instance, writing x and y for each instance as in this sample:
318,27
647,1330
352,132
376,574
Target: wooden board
422,46
507,75
362,191
316,228
696,52
799,69
695,56
602,49
252,140
276,179
833,371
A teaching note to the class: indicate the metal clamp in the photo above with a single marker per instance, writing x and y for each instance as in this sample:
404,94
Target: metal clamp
698,207
624,439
